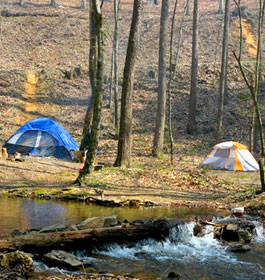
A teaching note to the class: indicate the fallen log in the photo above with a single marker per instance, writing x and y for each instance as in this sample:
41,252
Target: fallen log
102,202
88,238
7,13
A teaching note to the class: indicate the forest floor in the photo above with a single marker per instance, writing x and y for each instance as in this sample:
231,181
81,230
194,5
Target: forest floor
149,179
45,46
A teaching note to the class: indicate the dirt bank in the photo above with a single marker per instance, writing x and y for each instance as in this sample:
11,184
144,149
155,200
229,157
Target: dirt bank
149,180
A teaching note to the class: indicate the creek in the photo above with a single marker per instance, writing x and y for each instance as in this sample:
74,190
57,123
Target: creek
187,255
24,214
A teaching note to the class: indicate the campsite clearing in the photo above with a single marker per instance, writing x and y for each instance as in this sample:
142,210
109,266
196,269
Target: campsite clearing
150,180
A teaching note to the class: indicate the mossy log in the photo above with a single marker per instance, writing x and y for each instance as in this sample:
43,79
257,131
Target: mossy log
89,238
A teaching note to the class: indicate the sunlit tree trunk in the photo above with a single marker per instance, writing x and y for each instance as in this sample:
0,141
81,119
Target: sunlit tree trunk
191,127
223,72
94,137
125,133
162,87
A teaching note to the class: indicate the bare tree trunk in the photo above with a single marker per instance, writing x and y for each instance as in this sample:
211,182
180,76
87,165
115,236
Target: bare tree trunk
162,67
252,128
252,120
111,80
92,78
223,72
175,63
125,134
256,136
171,75
257,86
226,94
115,60
254,90
173,67
21,2
83,4
187,8
191,127
53,3
256,127
94,138
221,7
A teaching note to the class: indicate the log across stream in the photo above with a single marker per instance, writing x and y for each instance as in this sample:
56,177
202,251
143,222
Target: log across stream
88,238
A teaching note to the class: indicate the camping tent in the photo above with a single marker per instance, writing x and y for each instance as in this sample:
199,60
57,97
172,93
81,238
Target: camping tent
230,156
43,137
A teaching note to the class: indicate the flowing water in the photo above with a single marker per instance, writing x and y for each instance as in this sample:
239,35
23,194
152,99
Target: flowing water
190,256
183,253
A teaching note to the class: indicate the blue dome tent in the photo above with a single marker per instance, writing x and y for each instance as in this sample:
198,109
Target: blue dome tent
43,137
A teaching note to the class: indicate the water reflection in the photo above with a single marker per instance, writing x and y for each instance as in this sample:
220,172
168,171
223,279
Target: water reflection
17,213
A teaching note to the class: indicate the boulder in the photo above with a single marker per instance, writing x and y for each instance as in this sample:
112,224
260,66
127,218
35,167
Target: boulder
74,228
230,233
217,232
245,235
239,248
62,259
95,222
110,221
173,275
197,231
231,227
98,222
53,228
17,232
17,261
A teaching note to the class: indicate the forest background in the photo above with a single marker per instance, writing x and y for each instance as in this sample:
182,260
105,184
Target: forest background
50,46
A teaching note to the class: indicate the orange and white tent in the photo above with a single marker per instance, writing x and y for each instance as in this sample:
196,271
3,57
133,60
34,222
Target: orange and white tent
230,156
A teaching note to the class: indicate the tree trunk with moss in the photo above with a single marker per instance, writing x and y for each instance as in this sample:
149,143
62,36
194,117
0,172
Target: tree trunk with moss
92,78
125,134
95,130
